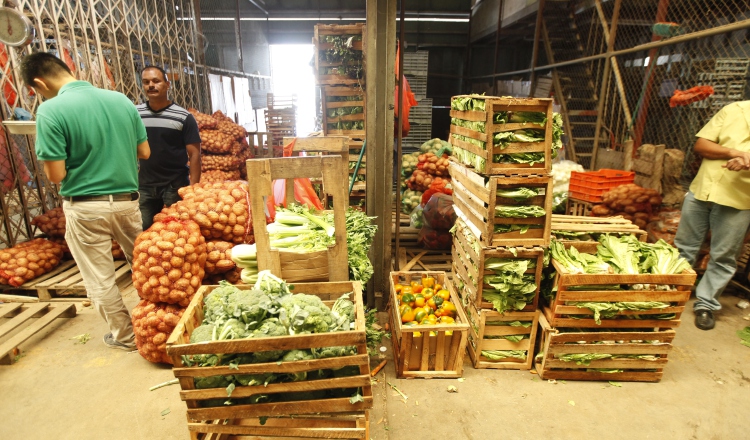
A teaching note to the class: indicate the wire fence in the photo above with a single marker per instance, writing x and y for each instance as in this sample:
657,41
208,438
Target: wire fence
634,102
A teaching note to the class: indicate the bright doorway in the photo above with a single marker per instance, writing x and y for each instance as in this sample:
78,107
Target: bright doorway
291,74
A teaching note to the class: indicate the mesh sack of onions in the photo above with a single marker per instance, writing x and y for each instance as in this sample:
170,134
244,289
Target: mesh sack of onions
28,260
232,277
152,324
221,209
219,259
219,176
228,162
168,261
52,222
205,122
216,142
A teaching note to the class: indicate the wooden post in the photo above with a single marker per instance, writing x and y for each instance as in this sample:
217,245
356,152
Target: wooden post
497,45
535,51
400,131
380,74
571,147
615,66
640,123
238,37
605,80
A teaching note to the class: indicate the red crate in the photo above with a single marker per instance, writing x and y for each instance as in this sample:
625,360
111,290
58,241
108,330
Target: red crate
591,185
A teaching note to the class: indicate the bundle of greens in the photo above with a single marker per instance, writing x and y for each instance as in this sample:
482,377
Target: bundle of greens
576,262
520,193
502,229
467,103
301,229
268,310
608,310
347,125
585,359
471,125
519,211
498,355
503,139
511,287
512,338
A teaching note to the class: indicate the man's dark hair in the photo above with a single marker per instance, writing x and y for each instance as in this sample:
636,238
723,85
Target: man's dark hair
163,73
42,65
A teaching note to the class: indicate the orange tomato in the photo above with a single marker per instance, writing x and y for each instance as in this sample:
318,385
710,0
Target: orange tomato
398,287
406,289
430,320
442,293
418,288
428,292
428,281
438,286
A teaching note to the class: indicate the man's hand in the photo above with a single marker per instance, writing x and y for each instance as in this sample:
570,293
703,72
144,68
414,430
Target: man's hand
737,164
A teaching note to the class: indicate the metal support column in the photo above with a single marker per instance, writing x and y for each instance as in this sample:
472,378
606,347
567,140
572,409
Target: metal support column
380,75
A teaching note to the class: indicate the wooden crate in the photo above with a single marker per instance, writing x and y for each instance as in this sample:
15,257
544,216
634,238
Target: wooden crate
328,265
580,208
179,344
319,33
594,225
19,316
484,327
340,426
492,106
475,197
329,98
65,281
416,352
608,341
557,312
468,267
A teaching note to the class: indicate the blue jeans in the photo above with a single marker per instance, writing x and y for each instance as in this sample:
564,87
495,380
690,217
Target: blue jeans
728,227
154,198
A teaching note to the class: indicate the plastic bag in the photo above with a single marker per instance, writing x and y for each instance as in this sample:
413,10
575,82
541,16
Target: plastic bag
439,213
436,239
559,202
416,220
304,192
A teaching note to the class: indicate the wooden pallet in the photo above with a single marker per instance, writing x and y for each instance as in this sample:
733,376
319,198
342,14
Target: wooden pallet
19,315
475,198
340,426
485,325
494,105
65,281
570,288
428,351
614,342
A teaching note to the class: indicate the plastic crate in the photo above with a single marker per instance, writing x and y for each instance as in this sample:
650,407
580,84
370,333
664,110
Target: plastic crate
590,186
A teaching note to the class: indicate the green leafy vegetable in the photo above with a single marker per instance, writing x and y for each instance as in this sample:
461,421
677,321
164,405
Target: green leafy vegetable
519,211
497,355
518,194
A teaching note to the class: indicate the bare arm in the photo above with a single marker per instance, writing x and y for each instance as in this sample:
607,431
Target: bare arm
194,158
712,150
55,170
144,151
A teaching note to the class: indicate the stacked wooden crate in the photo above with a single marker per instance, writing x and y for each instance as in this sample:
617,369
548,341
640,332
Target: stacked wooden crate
281,119
339,67
420,116
629,345
493,240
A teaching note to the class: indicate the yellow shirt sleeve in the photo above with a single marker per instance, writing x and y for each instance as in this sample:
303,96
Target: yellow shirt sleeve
712,129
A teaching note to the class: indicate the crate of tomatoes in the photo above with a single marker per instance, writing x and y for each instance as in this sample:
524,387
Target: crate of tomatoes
429,326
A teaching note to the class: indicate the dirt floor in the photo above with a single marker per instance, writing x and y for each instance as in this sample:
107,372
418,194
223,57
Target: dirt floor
62,390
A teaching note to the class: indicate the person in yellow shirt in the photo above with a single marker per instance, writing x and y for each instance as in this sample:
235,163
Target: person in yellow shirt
719,201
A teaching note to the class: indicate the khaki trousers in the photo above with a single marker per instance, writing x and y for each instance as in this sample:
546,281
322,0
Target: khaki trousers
90,228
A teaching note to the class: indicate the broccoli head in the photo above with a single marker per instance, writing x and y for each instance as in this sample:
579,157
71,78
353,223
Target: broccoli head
328,352
255,379
213,382
270,327
297,355
306,314
204,333
343,311
234,329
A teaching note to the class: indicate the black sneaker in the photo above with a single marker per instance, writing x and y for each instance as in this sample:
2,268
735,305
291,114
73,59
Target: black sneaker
704,319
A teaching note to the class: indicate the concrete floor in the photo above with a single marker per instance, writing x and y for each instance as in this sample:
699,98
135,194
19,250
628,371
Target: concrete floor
62,390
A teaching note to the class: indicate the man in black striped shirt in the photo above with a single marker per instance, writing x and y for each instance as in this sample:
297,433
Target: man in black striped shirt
175,147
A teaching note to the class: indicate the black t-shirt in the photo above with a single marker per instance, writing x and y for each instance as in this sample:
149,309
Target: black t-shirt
169,131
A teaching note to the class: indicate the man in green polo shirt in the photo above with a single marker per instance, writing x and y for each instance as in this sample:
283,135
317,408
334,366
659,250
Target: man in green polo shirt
89,141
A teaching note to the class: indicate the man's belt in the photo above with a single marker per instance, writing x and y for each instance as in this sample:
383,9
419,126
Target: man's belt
127,197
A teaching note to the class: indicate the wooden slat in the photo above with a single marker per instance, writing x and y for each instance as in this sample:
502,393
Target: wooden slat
54,312
33,310
9,309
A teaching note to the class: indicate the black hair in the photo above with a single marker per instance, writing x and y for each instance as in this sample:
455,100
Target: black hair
163,73
42,65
